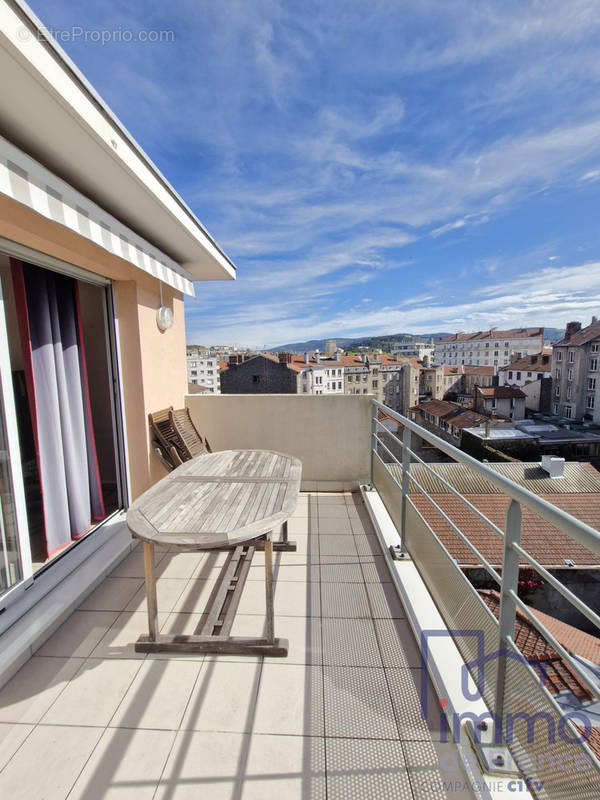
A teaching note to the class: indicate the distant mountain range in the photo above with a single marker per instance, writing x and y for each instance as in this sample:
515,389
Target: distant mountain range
384,342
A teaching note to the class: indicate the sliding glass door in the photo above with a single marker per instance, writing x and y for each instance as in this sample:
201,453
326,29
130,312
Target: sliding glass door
60,471
15,554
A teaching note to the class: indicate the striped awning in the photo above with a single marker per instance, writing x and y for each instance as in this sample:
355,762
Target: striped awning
25,180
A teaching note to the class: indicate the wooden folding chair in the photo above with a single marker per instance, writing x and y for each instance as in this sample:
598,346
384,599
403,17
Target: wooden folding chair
175,437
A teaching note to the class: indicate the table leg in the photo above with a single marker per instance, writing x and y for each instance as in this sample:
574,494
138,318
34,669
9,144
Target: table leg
284,531
151,590
270,632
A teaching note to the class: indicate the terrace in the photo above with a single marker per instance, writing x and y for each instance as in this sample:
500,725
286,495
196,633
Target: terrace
86,715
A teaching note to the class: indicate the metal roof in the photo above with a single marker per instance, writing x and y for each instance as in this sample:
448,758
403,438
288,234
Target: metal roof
577,478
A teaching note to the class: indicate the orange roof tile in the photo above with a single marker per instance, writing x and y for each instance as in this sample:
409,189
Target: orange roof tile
544,542
583,336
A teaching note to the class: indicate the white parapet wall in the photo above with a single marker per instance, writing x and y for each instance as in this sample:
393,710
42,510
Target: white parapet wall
330,434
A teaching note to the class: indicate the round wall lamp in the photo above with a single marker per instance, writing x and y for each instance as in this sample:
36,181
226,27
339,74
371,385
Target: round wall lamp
164,318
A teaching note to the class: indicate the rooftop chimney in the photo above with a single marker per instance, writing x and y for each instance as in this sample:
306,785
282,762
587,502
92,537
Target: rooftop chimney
594,320
306,358
285,358
554,466
571,329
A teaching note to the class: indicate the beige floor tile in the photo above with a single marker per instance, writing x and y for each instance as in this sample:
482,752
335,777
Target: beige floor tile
92,696
338,569
224,697
12,737
302,525
357,703
48,763
125,764
331,499
290,767
332,511
376,570
290,700
368,546
133,565
397,644
331,544
283,571
350,643
180,566
339,525
168,592
79,634
361,524
302,633
113,594
385,601
31,692
429,769
204,765
292,599
366,768
158,695
344,600
405,690
119,641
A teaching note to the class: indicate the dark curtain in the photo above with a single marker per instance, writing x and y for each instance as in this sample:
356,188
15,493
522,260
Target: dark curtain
58,392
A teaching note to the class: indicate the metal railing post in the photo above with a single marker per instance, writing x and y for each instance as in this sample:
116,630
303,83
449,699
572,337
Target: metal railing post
406,447
373,442
508,607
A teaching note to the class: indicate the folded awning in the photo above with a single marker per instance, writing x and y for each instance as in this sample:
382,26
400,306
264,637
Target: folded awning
28,182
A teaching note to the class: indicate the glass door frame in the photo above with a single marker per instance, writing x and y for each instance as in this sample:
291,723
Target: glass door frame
14,250
16,472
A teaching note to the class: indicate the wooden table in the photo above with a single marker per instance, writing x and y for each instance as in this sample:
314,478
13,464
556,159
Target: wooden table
231,500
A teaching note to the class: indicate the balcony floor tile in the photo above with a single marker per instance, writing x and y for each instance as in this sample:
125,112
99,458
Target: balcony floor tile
340,717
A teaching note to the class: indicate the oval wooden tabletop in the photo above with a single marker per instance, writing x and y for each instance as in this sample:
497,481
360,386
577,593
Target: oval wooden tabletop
218,499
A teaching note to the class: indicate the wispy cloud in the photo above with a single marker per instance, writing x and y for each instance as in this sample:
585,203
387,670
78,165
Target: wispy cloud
339,149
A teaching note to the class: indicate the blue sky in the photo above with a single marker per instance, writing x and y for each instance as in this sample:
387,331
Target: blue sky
371,167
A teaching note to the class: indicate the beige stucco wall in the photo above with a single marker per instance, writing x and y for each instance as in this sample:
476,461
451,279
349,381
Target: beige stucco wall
152,362
330,434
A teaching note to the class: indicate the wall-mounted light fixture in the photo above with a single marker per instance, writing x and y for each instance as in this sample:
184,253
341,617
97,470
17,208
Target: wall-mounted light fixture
164,315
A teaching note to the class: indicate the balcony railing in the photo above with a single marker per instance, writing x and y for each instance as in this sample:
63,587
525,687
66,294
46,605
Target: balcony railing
521,708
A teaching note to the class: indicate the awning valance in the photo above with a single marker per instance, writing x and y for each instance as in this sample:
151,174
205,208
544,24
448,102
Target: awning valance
25,180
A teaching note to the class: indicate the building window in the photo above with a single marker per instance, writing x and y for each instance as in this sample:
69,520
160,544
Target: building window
193,364
569,392
591,384
593,364
555,408
510,376
568,412
570,375
571,356
518,376
559,355
595,348
557,391
256,379
193,372
558,373
590,401
529,374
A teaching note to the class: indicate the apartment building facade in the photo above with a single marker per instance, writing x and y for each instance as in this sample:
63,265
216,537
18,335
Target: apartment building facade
493,348
420,349
441,380
203,371
504,401
521,371
576,373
